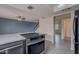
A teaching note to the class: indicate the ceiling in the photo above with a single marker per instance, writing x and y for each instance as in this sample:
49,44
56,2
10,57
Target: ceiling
38,11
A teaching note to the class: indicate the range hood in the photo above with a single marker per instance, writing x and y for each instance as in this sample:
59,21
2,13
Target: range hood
9,26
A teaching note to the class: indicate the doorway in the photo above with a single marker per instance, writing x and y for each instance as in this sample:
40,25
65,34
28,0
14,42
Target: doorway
62,27
57,30
67,29
62,33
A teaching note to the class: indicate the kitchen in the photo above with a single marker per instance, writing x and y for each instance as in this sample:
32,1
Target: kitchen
27,29
17,42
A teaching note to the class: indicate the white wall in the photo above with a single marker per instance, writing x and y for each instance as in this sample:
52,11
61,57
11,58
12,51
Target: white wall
67,27
46,26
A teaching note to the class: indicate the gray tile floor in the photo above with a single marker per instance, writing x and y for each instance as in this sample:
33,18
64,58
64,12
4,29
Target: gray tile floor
60,47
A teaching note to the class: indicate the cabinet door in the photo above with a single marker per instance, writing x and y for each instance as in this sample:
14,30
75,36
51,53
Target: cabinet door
3,52
16,50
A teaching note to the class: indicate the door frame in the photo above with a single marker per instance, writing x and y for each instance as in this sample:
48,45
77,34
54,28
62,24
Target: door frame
62,23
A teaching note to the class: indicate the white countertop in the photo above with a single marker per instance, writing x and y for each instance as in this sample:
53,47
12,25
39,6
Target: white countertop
10,38
7,38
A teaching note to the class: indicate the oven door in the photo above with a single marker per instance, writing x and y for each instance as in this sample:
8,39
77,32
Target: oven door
36,48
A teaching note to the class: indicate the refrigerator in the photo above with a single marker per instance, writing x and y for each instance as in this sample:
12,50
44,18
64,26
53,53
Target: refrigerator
76,31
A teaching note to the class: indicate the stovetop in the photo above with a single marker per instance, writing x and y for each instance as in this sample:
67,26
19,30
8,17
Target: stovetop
30,35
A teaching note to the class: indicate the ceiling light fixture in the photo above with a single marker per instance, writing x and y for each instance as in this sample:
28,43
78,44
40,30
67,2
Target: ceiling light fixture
20,18
61,5
30,7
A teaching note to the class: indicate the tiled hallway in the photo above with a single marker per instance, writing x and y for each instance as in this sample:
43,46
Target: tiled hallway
60,47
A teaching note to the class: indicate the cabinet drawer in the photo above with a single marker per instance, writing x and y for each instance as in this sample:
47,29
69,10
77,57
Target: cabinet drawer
11,44
16,50
3,52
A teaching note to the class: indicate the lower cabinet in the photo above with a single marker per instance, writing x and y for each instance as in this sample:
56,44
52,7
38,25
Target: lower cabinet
20,47
16,50
13,48
3,52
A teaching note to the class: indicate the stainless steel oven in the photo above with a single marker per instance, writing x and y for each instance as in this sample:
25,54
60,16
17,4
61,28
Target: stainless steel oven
36,48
